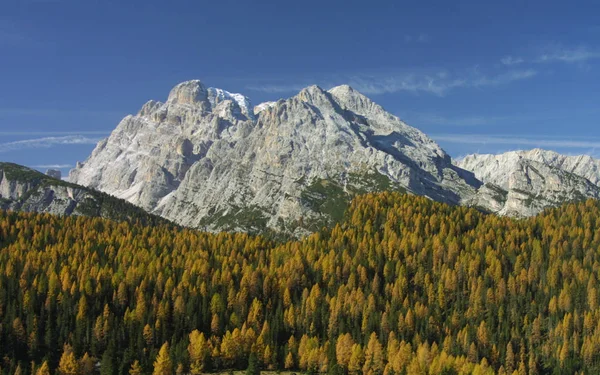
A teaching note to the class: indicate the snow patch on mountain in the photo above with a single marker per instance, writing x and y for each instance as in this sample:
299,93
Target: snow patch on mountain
216,96
262,106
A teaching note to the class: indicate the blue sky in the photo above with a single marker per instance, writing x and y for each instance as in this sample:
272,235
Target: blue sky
475,76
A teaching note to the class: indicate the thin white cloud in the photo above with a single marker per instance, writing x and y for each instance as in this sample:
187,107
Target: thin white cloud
555,53
436,119
57,112
437,83
50,133
565,54
277,88
52,166
517,141
47,142
504,78
510,60
417,119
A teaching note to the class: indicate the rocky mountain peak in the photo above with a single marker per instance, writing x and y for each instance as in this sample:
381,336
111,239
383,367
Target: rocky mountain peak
207,159
355,101
189,92
312,95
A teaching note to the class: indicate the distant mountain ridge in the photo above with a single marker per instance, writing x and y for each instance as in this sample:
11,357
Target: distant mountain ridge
25,189
526,182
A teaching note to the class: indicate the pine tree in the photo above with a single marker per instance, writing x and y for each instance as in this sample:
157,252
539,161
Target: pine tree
510,359
107,366
253,368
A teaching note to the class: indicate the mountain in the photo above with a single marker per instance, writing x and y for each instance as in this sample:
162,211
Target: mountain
205,158
25,189
523,183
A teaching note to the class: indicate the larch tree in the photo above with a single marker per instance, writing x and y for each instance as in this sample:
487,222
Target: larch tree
163,364
136,368
343,350
68,364
198,351
373,357
44,369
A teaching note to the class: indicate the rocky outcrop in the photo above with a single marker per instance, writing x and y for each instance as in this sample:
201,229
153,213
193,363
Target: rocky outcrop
24,189
206,159
523,183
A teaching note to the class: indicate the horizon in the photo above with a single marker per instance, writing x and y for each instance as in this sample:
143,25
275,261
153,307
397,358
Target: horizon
476,78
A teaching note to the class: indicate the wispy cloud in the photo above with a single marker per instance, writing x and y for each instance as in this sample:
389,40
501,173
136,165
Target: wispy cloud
437,119
51,133
52,166
556,53
277,88
47,142
510,60
418,118
565,54
57,112
517,141
438,82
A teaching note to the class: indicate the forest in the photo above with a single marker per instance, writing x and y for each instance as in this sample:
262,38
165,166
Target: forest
403,285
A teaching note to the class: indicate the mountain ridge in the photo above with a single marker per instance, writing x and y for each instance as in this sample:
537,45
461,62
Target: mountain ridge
205,158
535,179
199,161
25,189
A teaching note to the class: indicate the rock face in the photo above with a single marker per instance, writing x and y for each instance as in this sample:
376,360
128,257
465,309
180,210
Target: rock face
523,183
24,189
205,158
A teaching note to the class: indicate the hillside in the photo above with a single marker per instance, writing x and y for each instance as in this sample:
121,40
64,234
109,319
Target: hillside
403,285
25,189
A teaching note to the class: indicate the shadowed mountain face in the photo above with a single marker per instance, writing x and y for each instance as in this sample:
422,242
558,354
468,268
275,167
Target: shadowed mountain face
206,159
